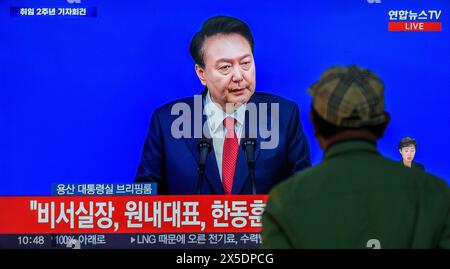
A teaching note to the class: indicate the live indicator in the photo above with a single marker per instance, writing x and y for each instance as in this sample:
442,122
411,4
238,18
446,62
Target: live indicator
414,26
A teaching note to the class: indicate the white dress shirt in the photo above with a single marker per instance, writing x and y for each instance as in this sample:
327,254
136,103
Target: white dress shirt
215,116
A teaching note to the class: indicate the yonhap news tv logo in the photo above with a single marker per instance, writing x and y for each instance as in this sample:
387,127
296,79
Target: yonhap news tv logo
415,21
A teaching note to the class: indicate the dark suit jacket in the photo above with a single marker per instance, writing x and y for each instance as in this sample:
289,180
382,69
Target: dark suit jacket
173,163
416,165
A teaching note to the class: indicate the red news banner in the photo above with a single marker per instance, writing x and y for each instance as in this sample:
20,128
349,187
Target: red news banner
132,214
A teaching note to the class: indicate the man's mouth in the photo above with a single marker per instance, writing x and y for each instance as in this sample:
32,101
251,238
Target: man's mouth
237,90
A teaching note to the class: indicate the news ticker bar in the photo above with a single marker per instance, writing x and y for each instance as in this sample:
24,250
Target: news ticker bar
131,241
132,214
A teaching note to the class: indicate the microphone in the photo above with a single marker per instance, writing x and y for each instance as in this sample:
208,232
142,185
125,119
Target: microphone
204,148
249,146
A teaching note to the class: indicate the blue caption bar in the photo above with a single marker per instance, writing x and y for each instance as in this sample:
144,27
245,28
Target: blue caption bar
53,12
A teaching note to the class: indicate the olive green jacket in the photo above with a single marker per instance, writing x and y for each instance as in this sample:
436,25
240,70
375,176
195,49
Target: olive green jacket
355,198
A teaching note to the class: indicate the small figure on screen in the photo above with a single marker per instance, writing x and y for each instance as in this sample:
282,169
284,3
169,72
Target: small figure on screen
407,148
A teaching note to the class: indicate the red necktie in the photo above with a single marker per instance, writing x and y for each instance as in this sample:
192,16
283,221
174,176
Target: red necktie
229,155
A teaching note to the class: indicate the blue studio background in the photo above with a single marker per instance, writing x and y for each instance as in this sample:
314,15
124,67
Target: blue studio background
76,94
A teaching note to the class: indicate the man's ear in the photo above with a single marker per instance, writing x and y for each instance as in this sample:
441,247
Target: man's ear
201,74
400,150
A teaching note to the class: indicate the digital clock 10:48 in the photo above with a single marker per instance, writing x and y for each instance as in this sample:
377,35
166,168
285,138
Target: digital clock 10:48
31,240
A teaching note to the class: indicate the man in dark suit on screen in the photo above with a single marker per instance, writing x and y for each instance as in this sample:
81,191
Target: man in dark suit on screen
230,139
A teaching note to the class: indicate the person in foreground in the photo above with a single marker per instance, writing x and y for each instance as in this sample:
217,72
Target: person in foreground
355,198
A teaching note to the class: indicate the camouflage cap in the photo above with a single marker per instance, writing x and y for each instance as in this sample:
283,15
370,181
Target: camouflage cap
349,97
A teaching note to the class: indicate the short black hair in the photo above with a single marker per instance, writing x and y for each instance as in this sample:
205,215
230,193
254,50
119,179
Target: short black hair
327,130
406,142
218,25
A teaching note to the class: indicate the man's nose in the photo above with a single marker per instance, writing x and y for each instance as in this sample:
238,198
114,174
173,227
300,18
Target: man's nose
237,75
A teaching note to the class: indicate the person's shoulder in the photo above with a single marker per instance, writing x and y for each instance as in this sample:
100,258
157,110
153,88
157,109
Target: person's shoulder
418,165
180,103
264,97
298,185
434,188
426,181
413,172
432,181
